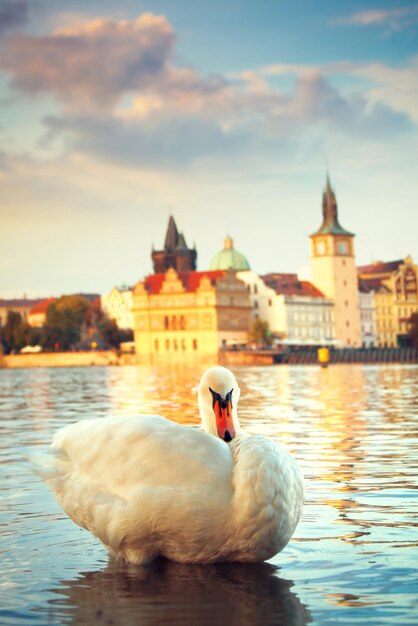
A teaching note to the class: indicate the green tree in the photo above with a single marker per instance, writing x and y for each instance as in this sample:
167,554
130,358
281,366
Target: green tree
16,333
111,333
64,322
413,330
259,333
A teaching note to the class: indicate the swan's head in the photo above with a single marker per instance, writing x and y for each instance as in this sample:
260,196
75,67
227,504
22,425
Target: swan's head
218,398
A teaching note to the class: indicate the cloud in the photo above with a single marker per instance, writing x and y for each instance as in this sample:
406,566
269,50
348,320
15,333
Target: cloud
160,142
395,19
393,87
93,65
249,122
125,100
13,14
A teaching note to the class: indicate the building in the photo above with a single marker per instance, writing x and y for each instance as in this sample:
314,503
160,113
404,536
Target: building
37,314
175,254
118,305
395,285
18,305
334,271
189,313
367,300
229,258
302,314
262,298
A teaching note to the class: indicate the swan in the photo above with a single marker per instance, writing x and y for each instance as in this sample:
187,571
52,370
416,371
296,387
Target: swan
149,487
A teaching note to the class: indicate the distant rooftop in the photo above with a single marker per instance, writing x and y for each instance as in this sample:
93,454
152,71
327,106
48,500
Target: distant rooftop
190,280
229,258
380,267
290,285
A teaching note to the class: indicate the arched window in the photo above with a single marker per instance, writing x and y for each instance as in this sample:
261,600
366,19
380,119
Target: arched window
166,322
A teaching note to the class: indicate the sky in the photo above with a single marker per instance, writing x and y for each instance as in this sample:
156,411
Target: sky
226,114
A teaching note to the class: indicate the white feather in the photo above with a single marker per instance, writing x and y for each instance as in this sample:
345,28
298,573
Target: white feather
146,486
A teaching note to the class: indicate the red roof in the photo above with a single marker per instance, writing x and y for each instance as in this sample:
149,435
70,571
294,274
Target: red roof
366,285
190,280
41,306
290,285
380,267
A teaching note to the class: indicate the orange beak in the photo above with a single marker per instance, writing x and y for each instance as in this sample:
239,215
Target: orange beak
224,423
222,407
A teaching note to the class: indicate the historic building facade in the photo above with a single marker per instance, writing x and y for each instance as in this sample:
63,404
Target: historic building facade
303,315
334,271
37,314
118,305
367,302
395,288
262,298
22,306
178,313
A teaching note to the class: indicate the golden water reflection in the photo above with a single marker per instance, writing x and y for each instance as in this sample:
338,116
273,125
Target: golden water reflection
353,430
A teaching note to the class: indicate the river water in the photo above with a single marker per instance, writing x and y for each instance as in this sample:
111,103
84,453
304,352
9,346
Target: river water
352,560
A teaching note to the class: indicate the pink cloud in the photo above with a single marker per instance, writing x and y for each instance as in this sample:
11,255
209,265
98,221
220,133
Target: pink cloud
92,65
396,19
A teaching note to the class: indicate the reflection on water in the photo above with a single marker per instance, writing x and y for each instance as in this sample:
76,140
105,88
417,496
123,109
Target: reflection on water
172,593
354,431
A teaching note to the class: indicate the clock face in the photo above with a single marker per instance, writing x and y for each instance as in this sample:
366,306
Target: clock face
342,247
320,247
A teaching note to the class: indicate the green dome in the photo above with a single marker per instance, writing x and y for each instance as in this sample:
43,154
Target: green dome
229,259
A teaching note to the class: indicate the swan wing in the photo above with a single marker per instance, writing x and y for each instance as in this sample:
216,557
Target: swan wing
142,477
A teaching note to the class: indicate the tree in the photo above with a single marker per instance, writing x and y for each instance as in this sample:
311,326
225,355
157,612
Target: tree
16,333
64,322
259,333
111,333
413,330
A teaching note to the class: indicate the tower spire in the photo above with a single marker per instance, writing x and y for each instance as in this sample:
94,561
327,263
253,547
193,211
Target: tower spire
330,224
172,236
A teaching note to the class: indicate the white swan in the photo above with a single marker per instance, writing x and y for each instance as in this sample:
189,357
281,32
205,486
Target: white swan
148,487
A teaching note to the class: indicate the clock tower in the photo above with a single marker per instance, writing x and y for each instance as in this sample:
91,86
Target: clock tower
334,271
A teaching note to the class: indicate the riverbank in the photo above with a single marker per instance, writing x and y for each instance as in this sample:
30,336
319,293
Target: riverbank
300,356
67,359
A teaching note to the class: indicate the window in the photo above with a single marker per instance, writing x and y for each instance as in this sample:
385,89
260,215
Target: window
175,346
174,322
166,322
255,288
167,344
256,304
347,324
183,344
182,322
156,345
194,344
270,303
